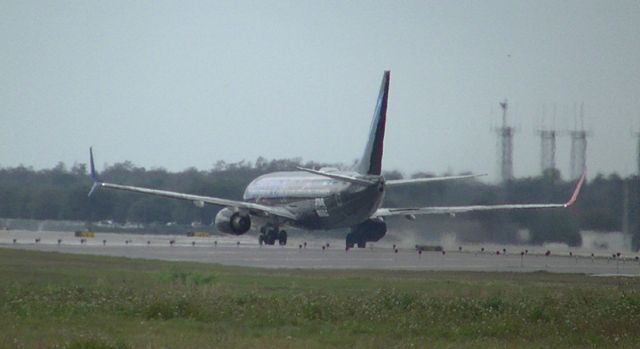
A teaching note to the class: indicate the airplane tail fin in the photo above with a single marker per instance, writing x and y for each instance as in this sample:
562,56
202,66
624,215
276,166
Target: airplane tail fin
371,161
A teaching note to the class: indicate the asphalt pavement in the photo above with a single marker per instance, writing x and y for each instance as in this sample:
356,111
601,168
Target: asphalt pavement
315,254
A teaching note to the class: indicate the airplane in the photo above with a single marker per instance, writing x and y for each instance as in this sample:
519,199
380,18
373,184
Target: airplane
324,199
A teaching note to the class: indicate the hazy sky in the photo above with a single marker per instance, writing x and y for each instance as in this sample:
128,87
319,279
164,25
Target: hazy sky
176,84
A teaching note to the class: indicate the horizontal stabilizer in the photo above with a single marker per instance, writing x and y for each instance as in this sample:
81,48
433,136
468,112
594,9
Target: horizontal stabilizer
339,177
393,182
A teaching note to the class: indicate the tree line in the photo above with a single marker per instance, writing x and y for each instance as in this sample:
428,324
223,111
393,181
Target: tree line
60,193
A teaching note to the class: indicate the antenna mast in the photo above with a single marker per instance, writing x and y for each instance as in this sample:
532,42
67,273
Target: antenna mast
505,138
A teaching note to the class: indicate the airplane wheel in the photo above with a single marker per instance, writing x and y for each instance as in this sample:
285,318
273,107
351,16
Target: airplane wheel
350,241
282,238
271,236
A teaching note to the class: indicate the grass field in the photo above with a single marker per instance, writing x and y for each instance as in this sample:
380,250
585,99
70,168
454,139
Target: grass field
53,300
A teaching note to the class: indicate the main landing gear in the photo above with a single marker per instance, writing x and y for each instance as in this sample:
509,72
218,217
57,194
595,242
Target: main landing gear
270,234
355,239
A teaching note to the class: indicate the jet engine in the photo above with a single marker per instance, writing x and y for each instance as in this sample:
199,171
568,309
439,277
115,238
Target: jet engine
232,222
370,230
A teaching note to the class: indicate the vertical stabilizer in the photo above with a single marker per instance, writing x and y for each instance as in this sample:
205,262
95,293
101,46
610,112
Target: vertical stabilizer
371,161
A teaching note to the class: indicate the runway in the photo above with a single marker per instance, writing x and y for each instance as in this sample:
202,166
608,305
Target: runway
244,251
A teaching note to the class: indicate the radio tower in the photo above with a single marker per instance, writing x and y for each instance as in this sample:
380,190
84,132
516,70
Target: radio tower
505,134
547,150
638,152
578,148
548,147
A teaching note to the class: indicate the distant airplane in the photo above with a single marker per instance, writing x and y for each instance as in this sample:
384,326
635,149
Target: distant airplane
323,199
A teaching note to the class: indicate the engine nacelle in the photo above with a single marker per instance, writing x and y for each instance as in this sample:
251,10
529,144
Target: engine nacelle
370,230
232,222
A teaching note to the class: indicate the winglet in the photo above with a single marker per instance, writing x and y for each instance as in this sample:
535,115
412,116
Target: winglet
94,175
574,197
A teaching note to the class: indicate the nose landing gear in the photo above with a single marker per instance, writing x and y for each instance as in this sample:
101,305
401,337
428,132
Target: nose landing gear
270,234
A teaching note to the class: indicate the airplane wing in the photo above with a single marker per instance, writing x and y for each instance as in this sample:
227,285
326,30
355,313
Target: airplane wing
395,182
198,200
412,211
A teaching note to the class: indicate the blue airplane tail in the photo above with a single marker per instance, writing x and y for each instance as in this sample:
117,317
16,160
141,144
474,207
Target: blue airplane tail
371,161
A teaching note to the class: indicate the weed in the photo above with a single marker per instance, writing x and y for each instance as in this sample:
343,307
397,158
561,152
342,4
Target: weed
95,343
186,278
158,304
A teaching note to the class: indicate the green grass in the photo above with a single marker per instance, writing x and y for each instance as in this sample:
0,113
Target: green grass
53,300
